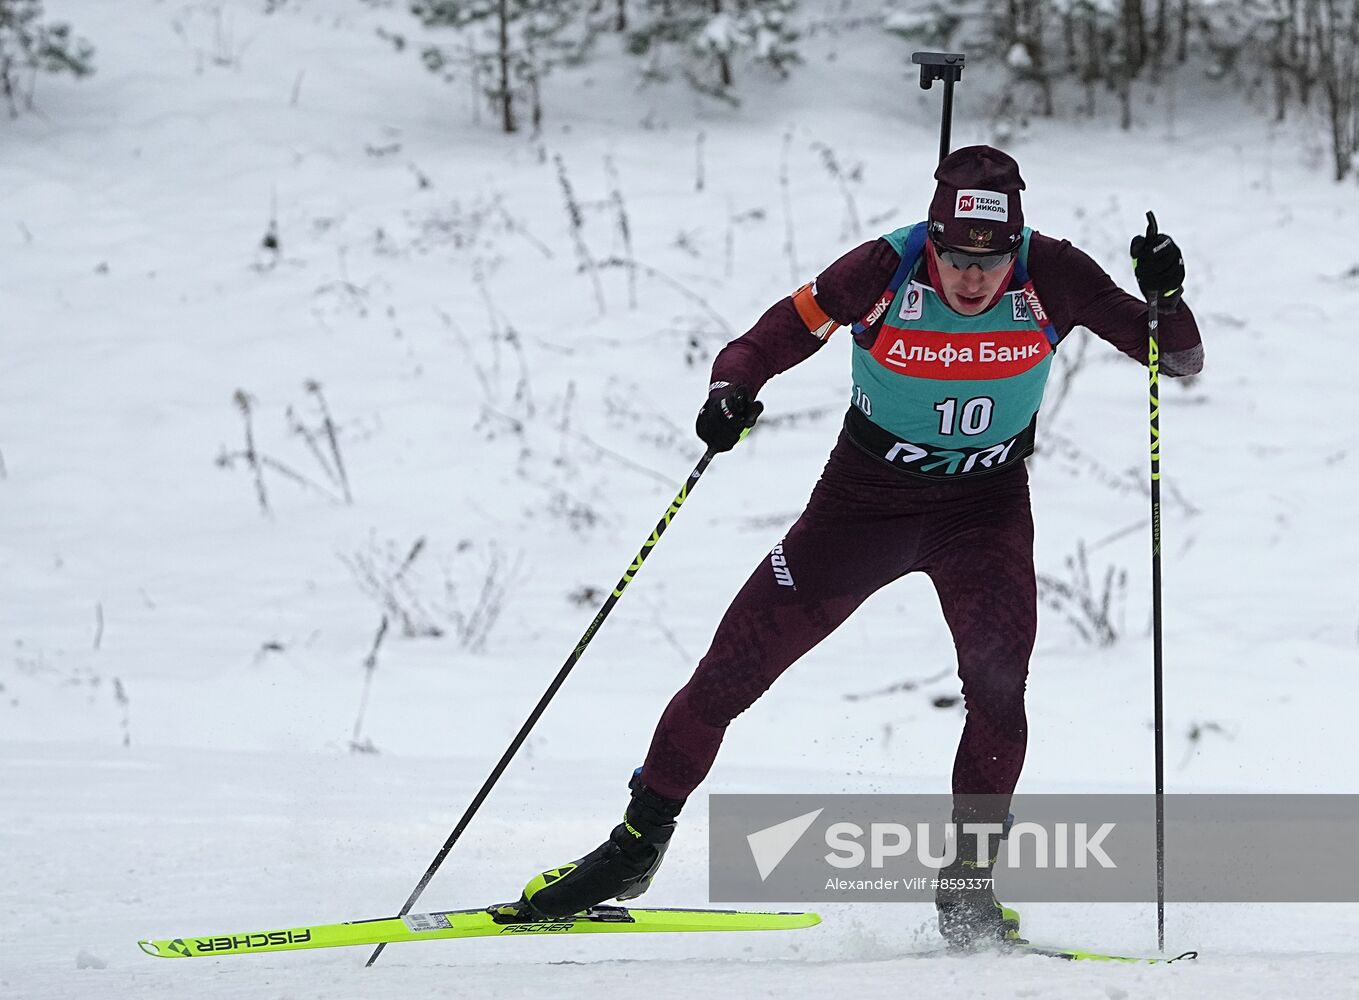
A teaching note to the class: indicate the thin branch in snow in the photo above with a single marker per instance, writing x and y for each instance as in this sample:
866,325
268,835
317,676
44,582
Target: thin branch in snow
660,276
698,160
1194,738
328,425
383,577
789,241
243,401
523,391
125,705
623,460
513,225
576,216
624,229
308,435
369,668
565,425
1089,609
408,599
852,229
667,633
482,375
473,625
910,684
411,556
1071,365
269,251
730,244
304,481
258,461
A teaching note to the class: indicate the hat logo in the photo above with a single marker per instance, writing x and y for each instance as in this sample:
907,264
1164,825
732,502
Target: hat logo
977,204
980,237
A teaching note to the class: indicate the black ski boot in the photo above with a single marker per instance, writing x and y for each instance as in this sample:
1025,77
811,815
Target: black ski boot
620,868
974,918
970,916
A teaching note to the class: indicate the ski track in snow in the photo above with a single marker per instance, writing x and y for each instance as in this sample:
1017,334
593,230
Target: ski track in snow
486,405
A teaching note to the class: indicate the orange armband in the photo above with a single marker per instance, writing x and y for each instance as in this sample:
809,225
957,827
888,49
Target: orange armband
818,324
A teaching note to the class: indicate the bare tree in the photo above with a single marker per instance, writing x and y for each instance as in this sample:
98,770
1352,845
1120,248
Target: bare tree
701,40
1335,34
29,46
512,43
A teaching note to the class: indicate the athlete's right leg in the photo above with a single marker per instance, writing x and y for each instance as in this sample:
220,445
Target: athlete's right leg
800,593
830,561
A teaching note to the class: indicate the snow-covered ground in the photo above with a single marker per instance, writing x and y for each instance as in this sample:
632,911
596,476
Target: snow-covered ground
180,674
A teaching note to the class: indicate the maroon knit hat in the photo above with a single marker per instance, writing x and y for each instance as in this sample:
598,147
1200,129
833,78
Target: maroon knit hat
976,203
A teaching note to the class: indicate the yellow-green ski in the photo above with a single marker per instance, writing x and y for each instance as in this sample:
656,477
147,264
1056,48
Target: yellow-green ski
1019,946
495,921
1077,955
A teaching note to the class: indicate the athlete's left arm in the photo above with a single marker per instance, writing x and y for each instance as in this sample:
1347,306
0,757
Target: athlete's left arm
1076,291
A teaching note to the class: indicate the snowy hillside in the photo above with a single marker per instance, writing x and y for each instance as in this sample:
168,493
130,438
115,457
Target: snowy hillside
182,670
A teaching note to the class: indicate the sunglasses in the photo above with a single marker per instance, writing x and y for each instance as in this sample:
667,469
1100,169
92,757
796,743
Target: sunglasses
962,260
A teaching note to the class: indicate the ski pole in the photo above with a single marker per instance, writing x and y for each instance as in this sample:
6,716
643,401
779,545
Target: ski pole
946,66
557,682
1154,375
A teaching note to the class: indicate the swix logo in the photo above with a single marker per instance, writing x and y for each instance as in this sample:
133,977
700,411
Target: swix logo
1031,297
879,309
780,566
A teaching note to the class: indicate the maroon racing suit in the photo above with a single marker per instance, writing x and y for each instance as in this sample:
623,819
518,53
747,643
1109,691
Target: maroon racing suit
868,523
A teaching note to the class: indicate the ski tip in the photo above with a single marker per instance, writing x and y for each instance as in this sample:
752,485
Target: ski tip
165,949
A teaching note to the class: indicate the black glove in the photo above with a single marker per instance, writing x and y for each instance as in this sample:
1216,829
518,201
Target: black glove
726,417
1158,265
